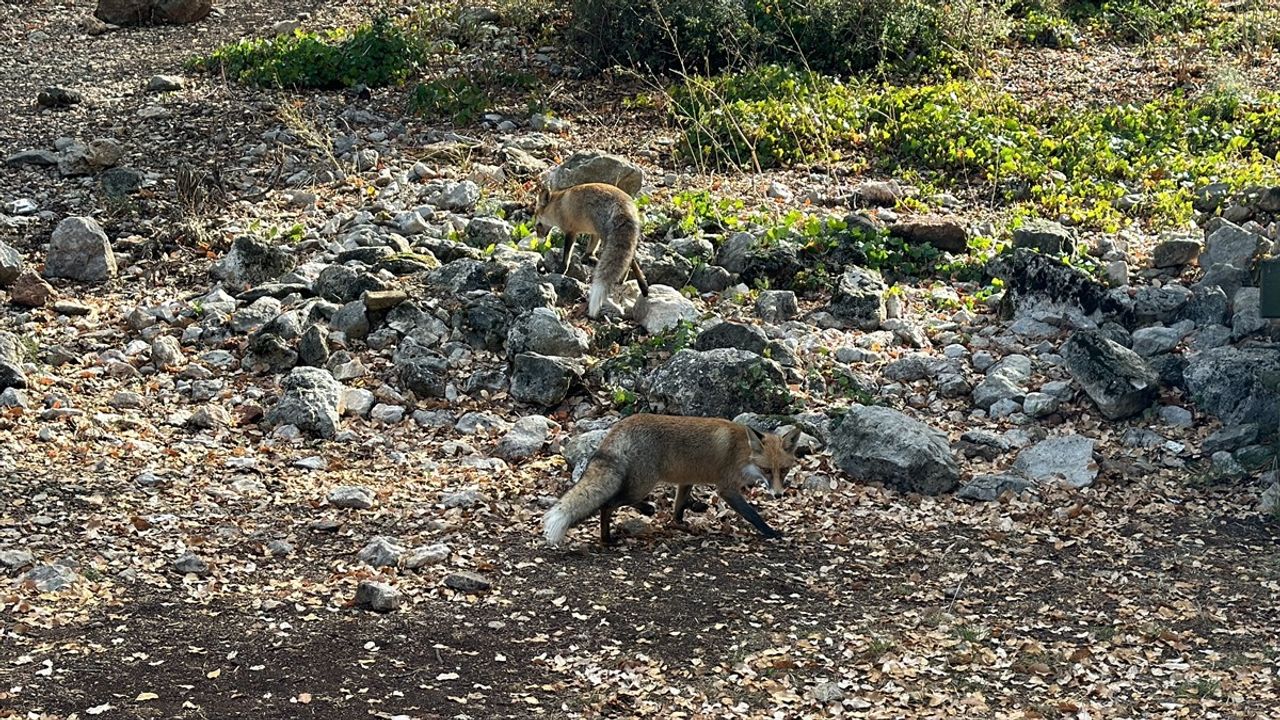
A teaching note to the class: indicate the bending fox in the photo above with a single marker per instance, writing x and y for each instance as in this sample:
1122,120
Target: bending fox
644,451
609,216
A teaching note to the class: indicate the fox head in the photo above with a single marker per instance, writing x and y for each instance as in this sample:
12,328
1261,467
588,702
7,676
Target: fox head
540,225
774,455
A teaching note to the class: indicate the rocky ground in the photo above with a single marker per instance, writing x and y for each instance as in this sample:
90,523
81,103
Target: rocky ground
281,411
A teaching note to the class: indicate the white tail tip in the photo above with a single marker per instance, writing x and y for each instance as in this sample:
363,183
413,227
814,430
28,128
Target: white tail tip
596,299
555,524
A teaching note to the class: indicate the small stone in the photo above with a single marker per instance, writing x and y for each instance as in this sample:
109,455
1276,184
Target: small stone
351,496
1068,459
210,417
1176,252
429,555
191,564
381,551
50,578
377,596
30,290
79,250
15,559
1044,236
1118,273
56,96
943,233
166,83
467,582
466,498
387,414
1038,405
1176,416
279,548
987,488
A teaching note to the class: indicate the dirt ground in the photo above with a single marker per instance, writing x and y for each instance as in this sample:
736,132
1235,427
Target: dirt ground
1152,594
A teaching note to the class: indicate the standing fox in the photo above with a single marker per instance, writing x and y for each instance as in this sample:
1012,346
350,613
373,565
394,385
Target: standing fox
609,216
643,451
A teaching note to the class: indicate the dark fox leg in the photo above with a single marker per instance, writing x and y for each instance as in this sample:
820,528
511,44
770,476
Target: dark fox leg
645,508
685,501
569,240
638,274
605,513
744,508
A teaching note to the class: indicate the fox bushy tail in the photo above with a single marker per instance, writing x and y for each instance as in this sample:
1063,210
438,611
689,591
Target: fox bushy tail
616,253
600,482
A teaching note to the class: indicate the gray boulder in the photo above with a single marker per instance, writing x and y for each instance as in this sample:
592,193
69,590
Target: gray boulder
10,265
1231,244
1066,459
858,299
377,596
1176,252
1044,236
1236,385
1113,376
420,369
525,438
485,231
527,289
718,383
1006,380
542,331
341,284
310,401
986,488
1157,339
663,266
1246,318
592,166
874,443
1160,304
1207,306
664,308
732,335
11,374
941,232
79,250
777,306
542,380
252,261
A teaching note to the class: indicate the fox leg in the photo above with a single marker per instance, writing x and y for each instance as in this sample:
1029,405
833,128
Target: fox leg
685,501
638,274
593,245
569,240
645,508
605,513
744,508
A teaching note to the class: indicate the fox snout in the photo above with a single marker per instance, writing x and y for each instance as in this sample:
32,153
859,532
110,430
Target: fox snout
777,482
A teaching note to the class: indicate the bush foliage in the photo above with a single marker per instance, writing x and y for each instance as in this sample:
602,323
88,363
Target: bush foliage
376,54
836,36
1077,164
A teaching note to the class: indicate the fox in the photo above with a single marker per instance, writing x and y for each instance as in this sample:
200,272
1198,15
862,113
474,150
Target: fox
644,451
609,216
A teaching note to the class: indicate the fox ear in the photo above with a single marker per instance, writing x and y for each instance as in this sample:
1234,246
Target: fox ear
755,439
792,439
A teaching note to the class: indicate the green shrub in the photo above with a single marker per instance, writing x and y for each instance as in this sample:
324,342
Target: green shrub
376,55
838,36
1074,164
1140,19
